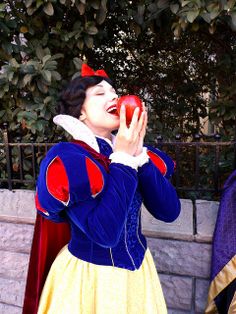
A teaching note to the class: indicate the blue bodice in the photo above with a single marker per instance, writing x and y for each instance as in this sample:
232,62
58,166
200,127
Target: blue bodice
102,202
129,251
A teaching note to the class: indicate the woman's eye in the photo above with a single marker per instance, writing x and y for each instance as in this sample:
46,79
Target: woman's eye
99,94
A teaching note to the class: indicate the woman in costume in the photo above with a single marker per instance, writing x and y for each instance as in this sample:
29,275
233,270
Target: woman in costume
97,184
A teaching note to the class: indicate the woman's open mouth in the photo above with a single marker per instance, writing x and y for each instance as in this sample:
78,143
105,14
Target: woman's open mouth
112,110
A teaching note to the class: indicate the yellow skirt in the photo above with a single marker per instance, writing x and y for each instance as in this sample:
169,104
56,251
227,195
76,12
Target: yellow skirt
74,286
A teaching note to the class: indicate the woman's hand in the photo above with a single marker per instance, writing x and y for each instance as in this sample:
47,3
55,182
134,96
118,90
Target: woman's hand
142,132
130,138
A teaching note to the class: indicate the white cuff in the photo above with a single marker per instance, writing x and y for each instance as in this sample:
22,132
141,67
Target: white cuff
143,158
124,159
131,161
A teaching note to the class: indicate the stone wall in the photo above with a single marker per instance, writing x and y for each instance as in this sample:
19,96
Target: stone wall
181,250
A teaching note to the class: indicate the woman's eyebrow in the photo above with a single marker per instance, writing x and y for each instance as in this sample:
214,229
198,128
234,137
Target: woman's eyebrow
98,86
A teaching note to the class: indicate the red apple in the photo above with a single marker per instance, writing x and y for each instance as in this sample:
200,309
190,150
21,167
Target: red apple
130,102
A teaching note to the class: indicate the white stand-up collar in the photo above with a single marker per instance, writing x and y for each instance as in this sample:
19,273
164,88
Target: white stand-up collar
79,131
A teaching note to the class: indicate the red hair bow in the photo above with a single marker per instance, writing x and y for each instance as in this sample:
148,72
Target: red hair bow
87,71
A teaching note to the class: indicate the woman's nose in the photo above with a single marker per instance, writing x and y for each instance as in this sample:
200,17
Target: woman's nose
113,96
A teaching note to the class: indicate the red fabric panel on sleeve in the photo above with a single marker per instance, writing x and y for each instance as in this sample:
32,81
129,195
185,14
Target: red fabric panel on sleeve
95,177
158,162
57,180
39,207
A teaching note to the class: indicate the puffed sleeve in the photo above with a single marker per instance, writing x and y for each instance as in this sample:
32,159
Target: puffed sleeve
74,186
159,196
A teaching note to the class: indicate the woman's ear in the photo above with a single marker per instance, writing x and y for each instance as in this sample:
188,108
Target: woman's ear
82,116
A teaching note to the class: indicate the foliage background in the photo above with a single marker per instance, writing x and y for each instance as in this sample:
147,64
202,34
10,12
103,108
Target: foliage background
172,53
179,56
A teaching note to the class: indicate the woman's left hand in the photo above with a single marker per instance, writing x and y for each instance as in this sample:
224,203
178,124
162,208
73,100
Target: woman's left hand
143,121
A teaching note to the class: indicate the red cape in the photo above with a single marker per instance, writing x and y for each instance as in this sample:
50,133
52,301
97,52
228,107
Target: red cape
49,238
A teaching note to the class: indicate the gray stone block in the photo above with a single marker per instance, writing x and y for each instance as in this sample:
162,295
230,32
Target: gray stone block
12,291
14,265
10,309
16,237
177,291
181,257
206,212
181,228
202,287
17,205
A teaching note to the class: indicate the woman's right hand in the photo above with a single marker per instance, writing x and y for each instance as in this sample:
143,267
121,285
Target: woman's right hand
128,137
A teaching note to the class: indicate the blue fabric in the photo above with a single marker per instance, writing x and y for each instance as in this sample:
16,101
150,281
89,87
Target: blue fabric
224,247
159,197
106,229
224,240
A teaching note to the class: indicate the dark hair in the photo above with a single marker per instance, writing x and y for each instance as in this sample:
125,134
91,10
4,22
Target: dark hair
72,97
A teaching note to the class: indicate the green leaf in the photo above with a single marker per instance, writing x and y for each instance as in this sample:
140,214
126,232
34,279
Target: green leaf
206,17
39,125
80,44
2,112
141,9
45,59
152,7
214,14
192,15
231,3
104,4
48,9
136,28
88,41
177,31
233,17
42,87
162,4
92,30
95,4
101,16
212,28
183,3
40,52
47,100
57,56
47,75
27,79
14,63
15,80
213,6
50,65
174,8
27,68
2,93
12,23
76,75
7,46
78,63
28,3
56,75
31,10
29,115
2,7
81,8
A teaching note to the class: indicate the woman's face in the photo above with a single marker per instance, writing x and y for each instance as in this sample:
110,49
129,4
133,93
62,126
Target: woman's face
97,111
